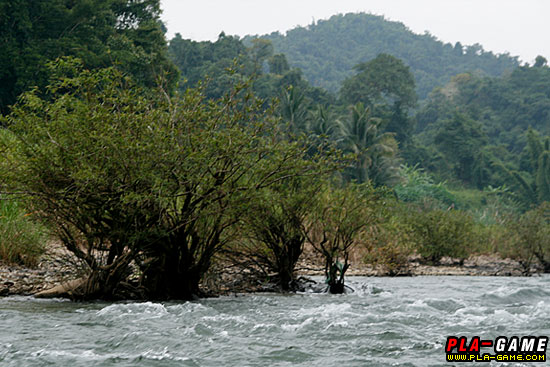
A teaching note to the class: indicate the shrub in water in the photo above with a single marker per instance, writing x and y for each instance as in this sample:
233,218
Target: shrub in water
337,221
129,178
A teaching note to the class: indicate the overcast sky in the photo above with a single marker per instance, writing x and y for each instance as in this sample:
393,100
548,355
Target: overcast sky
520,27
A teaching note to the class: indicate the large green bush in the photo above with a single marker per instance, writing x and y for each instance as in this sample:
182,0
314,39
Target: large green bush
131,179
274,230
337,222
533,237
441,233
418,187
389,244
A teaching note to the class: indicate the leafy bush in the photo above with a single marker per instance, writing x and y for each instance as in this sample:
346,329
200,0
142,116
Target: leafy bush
131,178
390,243
339,218
22,240
274,230
441,233
418,187
533,236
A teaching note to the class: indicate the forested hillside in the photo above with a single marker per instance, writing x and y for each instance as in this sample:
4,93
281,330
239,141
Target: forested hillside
506,107
483,129
472,132
328,50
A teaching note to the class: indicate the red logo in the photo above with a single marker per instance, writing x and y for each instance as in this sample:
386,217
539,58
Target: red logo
524,349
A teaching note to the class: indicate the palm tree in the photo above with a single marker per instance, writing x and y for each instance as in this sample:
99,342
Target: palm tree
536,190
293,109
321,123
375,150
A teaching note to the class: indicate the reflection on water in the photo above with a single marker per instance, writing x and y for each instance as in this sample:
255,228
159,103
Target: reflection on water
386,321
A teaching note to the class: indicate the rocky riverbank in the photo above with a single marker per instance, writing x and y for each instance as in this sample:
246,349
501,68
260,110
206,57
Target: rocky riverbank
56,267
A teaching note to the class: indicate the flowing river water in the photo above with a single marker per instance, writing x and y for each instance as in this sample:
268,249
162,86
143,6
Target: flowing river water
385,322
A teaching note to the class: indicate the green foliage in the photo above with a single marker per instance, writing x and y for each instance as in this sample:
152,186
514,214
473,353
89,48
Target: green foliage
22,240
102,33
274,228
460,139
327,51
219,65
505,107
386,85
383,80
337,221
390,243
126,177
442,233
480,127
132,178
322,124
540,62
533,185
278,64
533,236
260,51
293,109
376,152
418,187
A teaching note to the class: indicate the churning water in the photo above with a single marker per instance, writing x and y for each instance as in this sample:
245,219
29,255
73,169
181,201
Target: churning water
385,322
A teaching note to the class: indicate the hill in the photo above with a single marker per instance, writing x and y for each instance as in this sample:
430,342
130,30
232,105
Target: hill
328,50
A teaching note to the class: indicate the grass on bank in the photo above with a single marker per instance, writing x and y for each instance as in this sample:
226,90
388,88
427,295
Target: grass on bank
22,241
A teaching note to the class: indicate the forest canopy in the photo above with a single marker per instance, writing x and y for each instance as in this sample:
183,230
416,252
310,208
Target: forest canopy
101,33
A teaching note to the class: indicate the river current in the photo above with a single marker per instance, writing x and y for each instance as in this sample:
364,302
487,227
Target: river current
385,322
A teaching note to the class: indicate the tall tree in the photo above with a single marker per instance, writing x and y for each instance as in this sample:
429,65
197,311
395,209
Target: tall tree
461,139
383,80
260,51
293,109
337,220
278,64
387,86
533,185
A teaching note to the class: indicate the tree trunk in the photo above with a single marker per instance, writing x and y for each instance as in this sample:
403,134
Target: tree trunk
286,260
166,279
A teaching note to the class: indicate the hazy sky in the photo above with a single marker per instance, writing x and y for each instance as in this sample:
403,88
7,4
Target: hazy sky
520,27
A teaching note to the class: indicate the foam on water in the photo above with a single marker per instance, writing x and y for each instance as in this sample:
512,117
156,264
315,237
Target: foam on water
386,321
324,311
146,309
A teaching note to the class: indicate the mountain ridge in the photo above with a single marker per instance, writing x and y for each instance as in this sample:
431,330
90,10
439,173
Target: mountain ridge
327,50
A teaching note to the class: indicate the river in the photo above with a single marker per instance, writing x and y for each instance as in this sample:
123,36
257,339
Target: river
385,322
